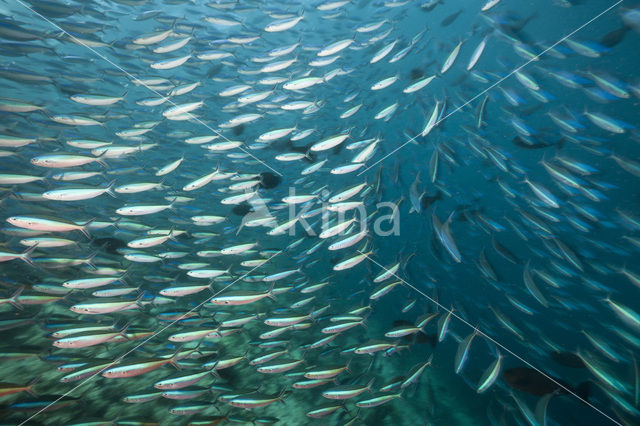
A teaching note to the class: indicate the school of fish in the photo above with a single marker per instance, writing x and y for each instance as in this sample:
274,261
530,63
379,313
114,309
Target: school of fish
347,212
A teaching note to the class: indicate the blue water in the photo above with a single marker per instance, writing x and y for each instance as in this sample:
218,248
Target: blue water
526,227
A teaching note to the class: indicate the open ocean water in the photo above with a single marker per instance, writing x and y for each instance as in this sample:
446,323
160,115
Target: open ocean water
401,212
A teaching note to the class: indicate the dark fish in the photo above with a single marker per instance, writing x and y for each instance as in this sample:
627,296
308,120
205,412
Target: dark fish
465,212
110,244
459,80
213,71
522,143
242,209
8,353
53,10
229,375
269,180
450,19
398,323
21,49
14,321
436,248
514,25
528,380
568,359
422,338
310,157
71,89
238,130
614,37
504,252
416,73
430,5
50,402
527,111
427,200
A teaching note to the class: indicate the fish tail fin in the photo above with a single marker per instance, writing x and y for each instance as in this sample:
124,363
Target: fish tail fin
244,356
172,203
364,323
116,222
370,384
123,330
270,294
122,277
110,189
174,362
282,395
138,299
13,300
89,260
176,357
85,228
240,227
30,386
100,156
311,316
26,255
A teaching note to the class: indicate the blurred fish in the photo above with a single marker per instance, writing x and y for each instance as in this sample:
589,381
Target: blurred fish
528,380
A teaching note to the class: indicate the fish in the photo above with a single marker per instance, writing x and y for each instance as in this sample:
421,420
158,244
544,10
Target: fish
299,207
531,381
448,63
444,235
427,201
11,388
450,19
567,359
463,351
490,375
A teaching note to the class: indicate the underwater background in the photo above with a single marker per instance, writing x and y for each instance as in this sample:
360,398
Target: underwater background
340,212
